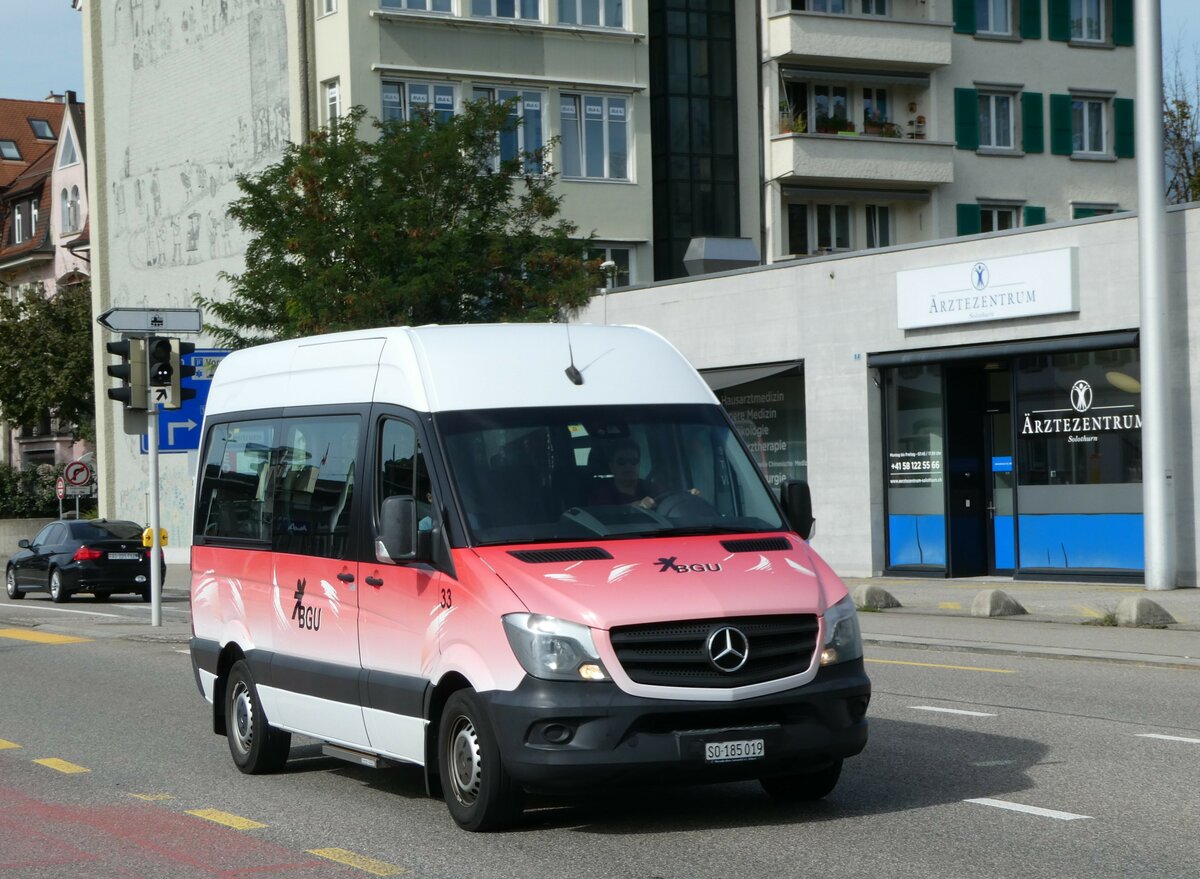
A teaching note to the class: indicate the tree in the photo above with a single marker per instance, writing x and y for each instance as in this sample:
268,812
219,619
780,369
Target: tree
421,224
1181,134
46,358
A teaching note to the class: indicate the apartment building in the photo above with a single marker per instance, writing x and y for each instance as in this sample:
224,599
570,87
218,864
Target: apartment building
900,121
44,239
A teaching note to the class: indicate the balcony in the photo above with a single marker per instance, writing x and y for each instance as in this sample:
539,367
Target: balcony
855,39
878,160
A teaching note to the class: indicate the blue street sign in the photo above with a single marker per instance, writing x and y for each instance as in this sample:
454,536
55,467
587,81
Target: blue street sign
179,429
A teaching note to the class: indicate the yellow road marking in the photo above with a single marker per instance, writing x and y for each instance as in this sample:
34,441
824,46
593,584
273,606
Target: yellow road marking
350,859
5,745
62,765
1088,612
998,671
41,637
153,797
237,822
950,605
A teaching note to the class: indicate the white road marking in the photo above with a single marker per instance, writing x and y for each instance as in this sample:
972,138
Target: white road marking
1029,810
91,613
951,711
1169,738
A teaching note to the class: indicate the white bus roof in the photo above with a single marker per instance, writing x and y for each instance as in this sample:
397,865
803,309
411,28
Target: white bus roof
447,368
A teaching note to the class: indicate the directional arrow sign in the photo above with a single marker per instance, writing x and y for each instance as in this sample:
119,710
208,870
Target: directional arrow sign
174,426
140,321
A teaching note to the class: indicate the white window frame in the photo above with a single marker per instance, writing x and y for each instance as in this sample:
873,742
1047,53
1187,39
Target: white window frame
605,252
64,210
999,22
70,153
874,7
813,212
1090,104
18,224
73,210
326,7
875,229
991,98
437,102
1085,17
469,10
496,94
602,10
582,102
419,6
331,94
33,217
994,210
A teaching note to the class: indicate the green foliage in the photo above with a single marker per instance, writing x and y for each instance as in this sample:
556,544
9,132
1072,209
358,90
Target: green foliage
46,358
1181,134
419,224
29,493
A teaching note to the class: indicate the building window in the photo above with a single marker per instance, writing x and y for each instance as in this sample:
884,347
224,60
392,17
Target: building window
18,224
875,110
874,7
520,9
1087,20
837,6
879,225
404,100
996,121
595,13
621,256
41,129
595,136
33,218
1088,125
818,228
1084,211
8,150
326,7
333,101
69,155
524,134
997,218
64,212
73,211
423,5
993,17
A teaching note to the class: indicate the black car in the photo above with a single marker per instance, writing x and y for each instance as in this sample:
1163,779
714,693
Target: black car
99,556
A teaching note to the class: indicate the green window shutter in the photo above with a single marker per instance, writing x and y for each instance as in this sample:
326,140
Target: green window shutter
1033,126
969,219
1061,136
1058,14
966,119
964,16
1083,213
1123,128
1034,215
1031,19
1122,22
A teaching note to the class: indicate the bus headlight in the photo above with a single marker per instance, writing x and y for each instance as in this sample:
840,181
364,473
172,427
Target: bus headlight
553,649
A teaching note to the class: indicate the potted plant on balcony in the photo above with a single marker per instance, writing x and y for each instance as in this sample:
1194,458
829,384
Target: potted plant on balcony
873,124
833,125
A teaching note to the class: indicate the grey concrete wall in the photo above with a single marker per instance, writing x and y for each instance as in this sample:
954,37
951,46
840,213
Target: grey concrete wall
12,530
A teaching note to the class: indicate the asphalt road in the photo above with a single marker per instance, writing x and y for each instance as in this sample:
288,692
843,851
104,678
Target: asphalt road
979,765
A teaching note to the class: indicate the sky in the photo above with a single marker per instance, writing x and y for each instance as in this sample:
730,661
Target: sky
43,45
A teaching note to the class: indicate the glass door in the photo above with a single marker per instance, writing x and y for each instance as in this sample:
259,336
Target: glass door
1000,474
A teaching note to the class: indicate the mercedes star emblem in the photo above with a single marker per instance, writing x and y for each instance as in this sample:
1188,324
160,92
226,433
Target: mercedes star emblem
728,649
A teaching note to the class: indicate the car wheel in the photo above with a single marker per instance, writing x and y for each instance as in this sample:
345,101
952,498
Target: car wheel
803,787
145,593
479,792
256,746
58,592
10,584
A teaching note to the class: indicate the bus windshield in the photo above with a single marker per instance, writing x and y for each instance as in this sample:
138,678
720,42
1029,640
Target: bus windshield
558,474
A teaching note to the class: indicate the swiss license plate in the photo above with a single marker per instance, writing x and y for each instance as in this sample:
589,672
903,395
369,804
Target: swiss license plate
124,556
724,752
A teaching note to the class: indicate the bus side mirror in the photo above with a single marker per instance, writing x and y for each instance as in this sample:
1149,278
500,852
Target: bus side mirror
796,498
398,527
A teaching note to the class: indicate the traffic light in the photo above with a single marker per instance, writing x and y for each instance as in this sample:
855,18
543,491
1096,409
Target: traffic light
179,350
131,371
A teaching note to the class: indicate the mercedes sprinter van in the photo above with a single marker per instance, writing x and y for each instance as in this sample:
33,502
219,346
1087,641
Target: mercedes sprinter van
522,557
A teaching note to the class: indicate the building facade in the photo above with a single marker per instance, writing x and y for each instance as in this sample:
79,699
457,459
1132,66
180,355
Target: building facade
963,407
44,236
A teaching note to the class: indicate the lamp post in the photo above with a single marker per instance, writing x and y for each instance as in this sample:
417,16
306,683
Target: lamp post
610,280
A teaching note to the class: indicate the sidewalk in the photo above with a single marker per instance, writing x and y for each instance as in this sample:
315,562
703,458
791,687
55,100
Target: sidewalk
1063,620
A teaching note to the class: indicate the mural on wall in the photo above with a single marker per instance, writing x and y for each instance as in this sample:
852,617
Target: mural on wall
195,93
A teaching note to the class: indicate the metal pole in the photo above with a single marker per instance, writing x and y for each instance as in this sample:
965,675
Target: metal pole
155,546
1158,490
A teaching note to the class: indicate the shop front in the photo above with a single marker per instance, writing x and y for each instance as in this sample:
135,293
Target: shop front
1018,458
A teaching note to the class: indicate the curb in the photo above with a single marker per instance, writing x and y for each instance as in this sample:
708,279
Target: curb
1145,659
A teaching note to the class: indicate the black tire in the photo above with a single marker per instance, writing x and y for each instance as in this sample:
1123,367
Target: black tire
478,790
145,593
10,584
58,592
256,746
803,787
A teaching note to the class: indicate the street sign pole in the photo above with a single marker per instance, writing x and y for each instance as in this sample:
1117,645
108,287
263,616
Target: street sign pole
155,546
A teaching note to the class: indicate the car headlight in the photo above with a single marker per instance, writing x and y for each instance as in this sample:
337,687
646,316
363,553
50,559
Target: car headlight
843,637
553,649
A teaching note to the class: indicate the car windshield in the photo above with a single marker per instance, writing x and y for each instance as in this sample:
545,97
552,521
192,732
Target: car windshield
98,530
556,474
